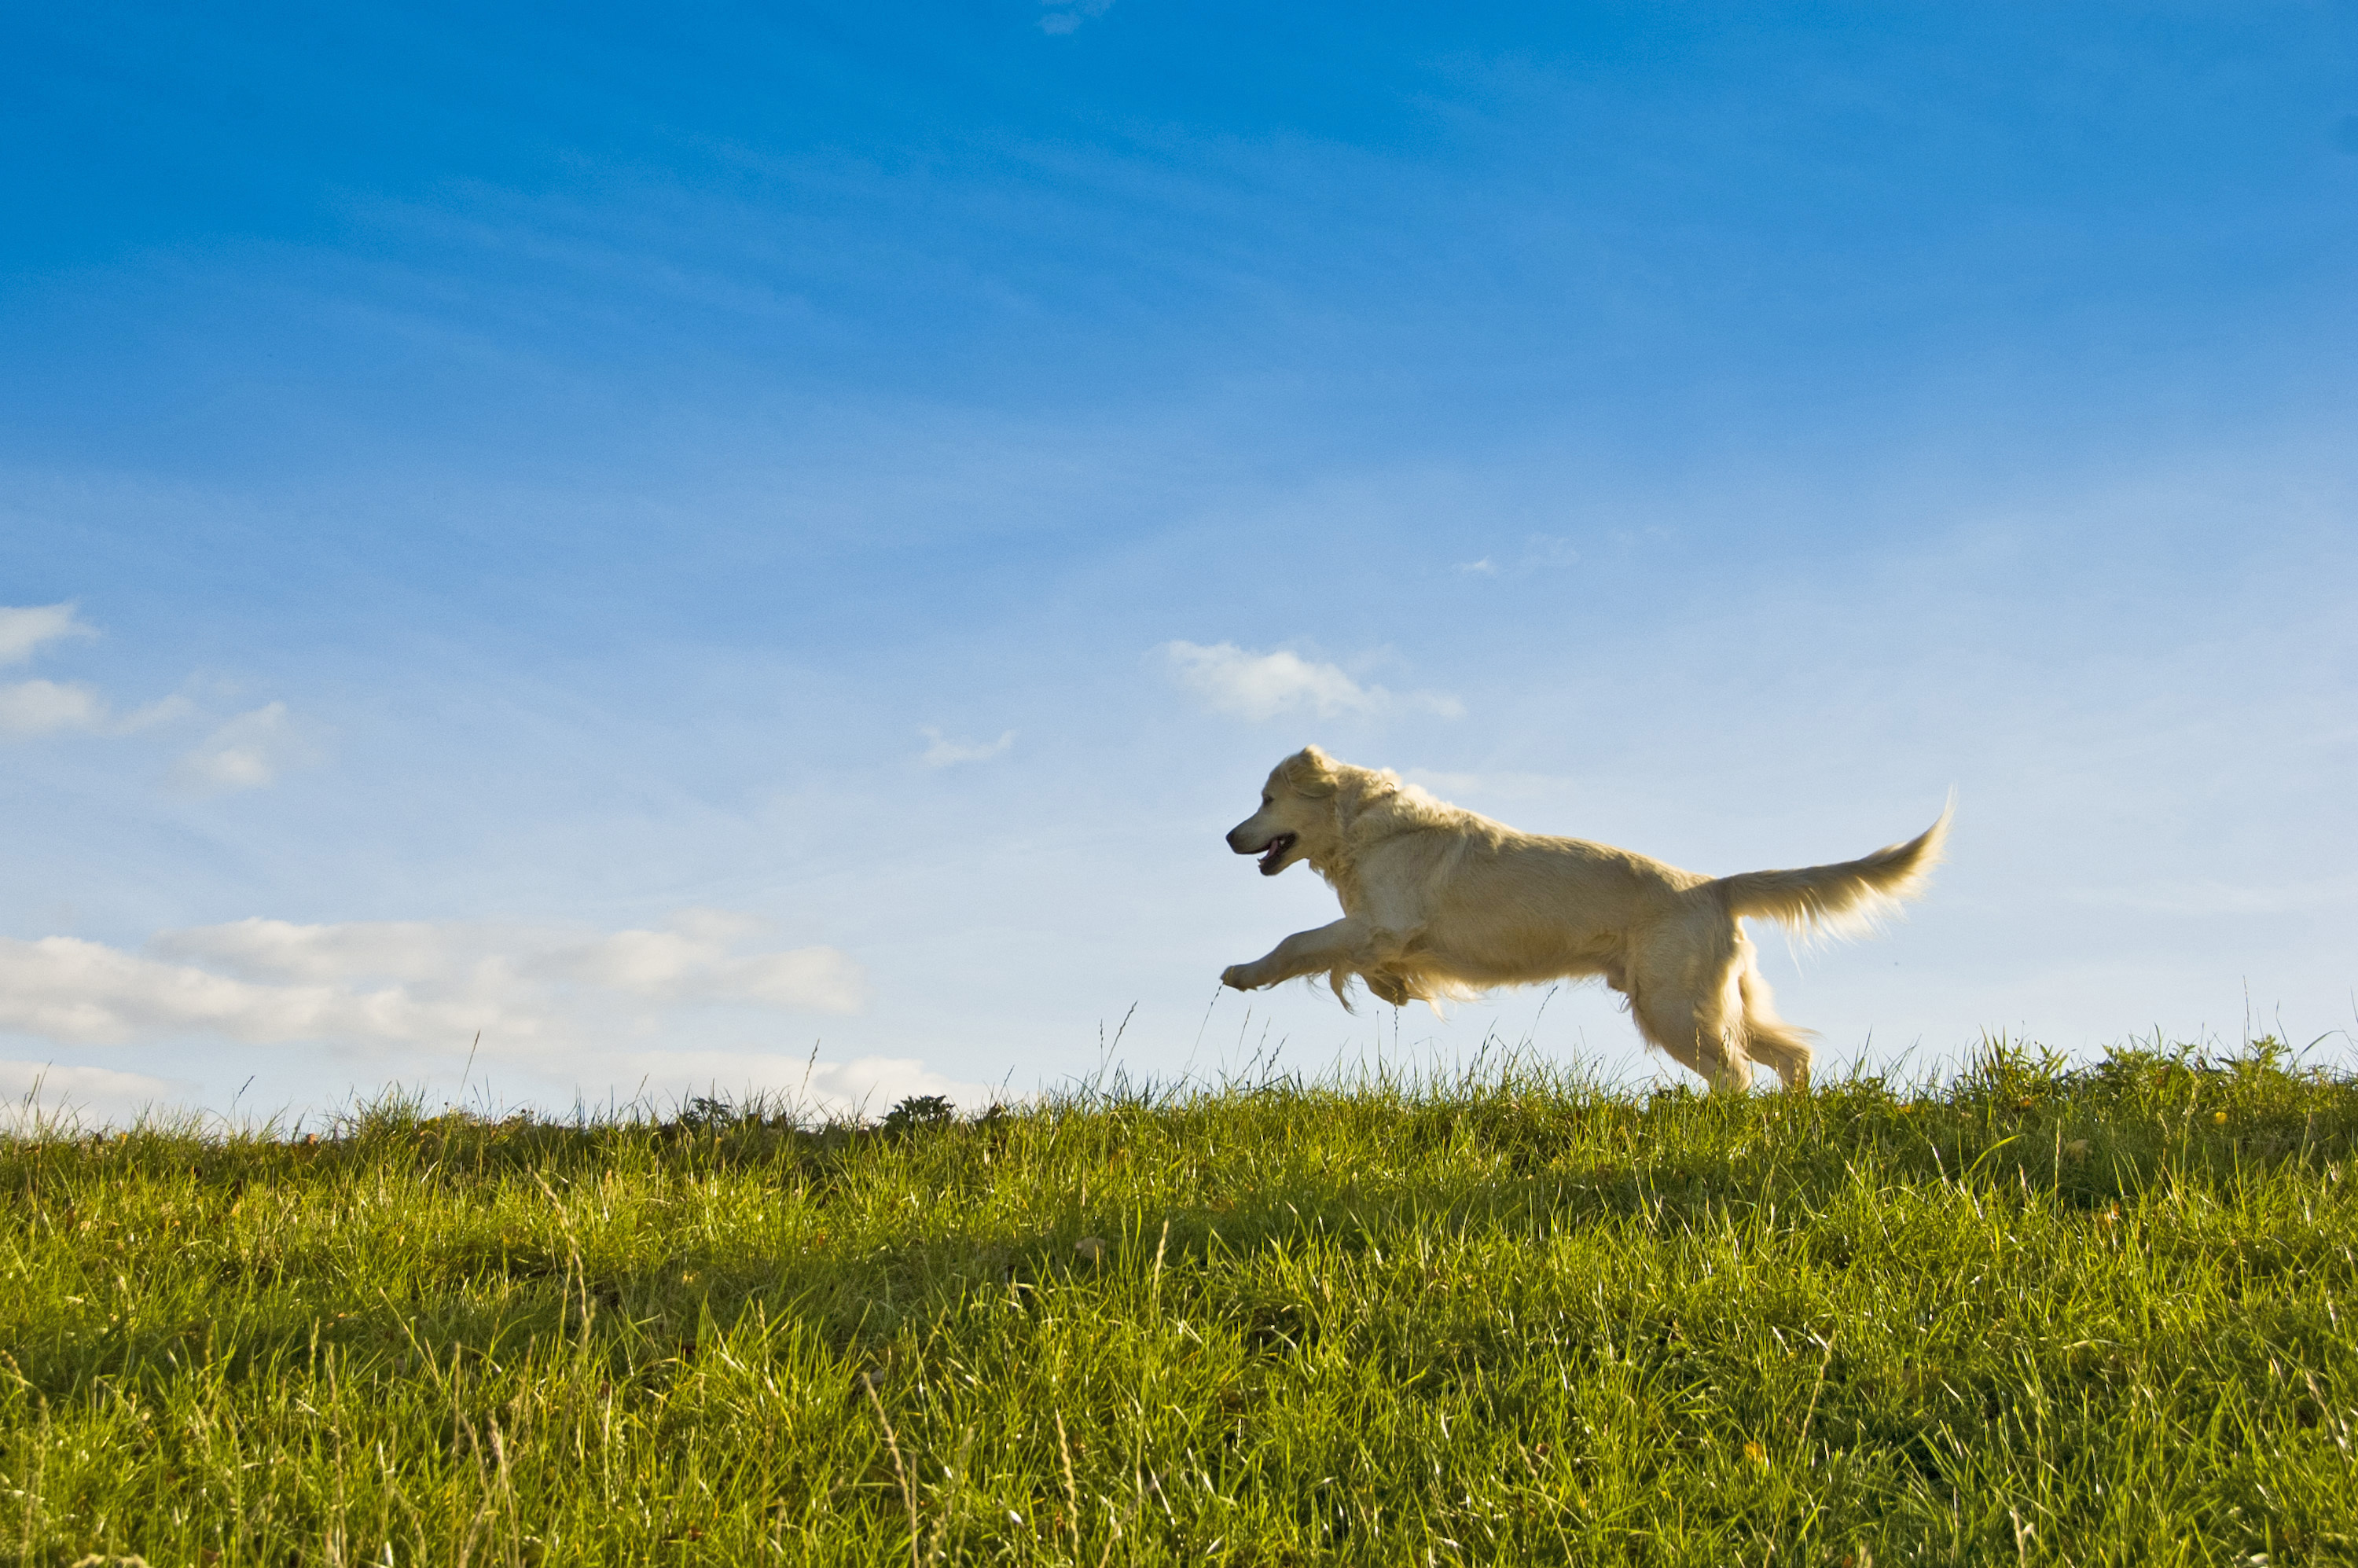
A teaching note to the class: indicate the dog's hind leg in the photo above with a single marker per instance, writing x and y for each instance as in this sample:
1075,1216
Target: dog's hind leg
1691,1008
1714,1071
1767,1037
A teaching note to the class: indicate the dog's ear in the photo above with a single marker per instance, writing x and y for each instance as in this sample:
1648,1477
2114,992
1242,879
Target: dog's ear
1309,773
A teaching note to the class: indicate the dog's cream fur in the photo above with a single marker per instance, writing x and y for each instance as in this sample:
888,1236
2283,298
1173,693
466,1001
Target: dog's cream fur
1440,902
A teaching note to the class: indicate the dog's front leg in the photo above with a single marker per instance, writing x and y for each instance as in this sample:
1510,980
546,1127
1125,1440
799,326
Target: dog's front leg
1339,945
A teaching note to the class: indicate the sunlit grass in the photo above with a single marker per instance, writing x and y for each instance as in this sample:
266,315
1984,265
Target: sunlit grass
2033,1315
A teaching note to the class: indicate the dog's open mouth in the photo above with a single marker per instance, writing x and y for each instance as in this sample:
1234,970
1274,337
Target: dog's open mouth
1273,857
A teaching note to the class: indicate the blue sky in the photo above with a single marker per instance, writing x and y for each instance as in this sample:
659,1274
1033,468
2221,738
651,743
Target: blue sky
702,544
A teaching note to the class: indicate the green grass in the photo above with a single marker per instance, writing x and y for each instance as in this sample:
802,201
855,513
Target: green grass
2029,1315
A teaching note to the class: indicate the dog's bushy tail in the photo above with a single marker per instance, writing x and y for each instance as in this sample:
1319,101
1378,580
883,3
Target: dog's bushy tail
1844,897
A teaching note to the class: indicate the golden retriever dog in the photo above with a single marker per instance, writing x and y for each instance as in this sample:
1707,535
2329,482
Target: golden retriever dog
1438,902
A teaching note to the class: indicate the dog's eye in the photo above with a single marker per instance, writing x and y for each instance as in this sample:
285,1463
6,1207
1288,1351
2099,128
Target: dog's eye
1268,800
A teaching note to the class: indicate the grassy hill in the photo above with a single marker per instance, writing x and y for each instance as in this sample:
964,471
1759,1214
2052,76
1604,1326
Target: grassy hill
2104,1316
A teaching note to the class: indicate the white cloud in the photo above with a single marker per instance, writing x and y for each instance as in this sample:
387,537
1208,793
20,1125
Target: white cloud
279,951
49,708
85,993
404,983
1066,16
1549,550
943,753
52,708
1539,553
24,628
248,753
163,710
45,707
1261,686
692,962
36,1091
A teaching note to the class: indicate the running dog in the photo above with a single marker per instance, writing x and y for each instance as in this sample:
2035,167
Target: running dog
1440,902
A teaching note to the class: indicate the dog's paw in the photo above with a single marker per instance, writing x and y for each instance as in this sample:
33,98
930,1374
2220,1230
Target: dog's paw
1237,977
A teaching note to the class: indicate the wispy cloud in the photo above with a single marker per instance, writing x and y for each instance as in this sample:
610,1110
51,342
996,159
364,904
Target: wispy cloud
41,1090
44,707
1066,16
693,963
31,707
24,628
1262,686
1549,550
405,982
47,706
1539,552
942,751
247,753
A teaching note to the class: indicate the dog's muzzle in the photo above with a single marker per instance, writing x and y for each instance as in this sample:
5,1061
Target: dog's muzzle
1273,854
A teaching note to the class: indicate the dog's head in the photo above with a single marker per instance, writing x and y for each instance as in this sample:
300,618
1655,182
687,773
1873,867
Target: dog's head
1296,819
